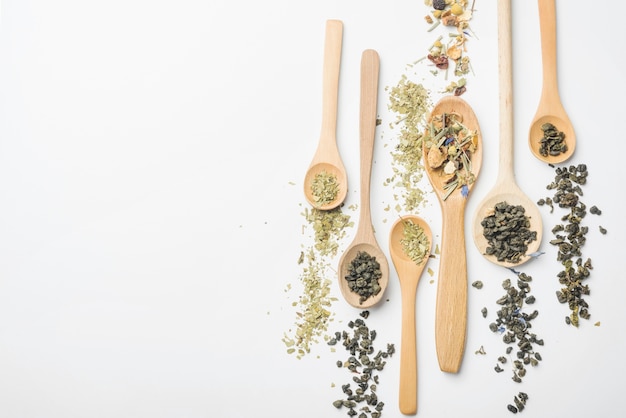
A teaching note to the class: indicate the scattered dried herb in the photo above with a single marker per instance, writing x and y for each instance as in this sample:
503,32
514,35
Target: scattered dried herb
411,103
329,227
363,275
520,403
324,188
508,233
449,145
364,367
515,325
313,305
415,243
450,15
570,238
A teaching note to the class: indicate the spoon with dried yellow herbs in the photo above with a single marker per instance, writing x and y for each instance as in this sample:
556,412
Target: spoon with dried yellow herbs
326,181
363,267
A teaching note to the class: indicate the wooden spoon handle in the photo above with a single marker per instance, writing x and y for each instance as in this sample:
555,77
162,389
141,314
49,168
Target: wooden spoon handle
408,351
451,306
547,26
330,79
370,64
505,63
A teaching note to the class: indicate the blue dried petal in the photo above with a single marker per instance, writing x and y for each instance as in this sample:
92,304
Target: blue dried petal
501,329
536,254
448,140
465,190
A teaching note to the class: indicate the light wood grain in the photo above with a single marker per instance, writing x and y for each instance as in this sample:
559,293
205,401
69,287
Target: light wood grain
505,188
327,158
451,305
409,274
364,239
550,109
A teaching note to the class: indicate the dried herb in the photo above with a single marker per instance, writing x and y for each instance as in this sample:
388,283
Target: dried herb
508,233
410,102
553,141
520,403
329,227
570,237
313,305
515,325
364,364
363,275
449,145
451,14
324,188
415,243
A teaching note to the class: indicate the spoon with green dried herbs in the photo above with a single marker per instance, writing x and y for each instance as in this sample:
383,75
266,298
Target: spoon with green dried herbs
507,225
326,181
410,242
452,159
551,137
363,267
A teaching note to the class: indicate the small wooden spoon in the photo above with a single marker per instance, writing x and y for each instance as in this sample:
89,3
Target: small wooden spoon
327,158
451,307
550,109
364,239
505,188
409,274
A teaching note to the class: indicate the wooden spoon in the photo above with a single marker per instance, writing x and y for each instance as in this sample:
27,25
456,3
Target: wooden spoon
364,239
550,109
451,307
505,188
409,274
327,158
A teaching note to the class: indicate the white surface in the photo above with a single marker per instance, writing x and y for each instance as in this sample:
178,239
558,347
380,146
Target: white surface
149,225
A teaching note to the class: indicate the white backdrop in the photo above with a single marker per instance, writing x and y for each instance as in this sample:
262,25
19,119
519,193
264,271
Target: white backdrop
151,164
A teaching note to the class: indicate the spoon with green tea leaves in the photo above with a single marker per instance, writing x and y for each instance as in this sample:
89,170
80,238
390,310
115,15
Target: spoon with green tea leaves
551,137
363,267
326,181
507,225
410,242
452,158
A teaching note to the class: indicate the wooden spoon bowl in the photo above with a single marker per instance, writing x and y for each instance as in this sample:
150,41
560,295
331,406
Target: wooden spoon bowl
350,254
409,273
511,194
550,109
325,166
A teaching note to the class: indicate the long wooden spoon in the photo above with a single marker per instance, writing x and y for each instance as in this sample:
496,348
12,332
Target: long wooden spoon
364,239
505,189
550,108
451,306
326,159
409,273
